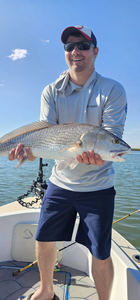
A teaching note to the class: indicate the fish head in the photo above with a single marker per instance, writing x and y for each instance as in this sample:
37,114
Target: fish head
106,144
111,147
119,148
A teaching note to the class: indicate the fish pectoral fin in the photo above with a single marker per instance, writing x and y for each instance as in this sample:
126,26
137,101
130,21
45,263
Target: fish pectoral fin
22,160
72,148
65,149
71,162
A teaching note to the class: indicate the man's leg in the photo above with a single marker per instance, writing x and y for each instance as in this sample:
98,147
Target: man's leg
102,271
46,258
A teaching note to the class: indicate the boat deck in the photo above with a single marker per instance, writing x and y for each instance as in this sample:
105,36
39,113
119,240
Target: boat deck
68,282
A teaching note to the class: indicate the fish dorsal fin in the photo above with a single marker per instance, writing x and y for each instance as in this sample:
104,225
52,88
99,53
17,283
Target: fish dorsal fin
70,123
24,129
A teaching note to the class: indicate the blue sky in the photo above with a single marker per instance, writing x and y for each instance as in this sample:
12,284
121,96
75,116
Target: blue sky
32,55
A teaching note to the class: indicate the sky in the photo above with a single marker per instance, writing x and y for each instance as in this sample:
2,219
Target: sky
32,55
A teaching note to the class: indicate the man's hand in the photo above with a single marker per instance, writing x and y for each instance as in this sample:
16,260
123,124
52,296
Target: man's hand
90,158
18,153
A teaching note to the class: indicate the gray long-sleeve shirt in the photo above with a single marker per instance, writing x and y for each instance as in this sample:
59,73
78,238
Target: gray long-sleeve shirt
100,102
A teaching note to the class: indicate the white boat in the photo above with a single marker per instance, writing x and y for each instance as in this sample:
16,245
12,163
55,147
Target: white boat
74,279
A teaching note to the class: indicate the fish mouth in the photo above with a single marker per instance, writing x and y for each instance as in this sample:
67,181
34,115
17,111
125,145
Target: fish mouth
119,153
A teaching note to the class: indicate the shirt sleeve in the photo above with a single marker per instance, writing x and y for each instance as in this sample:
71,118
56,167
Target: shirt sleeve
115,110
48,106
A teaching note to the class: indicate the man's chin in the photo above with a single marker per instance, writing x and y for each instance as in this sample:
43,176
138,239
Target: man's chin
78,68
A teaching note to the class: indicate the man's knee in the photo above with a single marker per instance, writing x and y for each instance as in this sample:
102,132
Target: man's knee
45,246
102,264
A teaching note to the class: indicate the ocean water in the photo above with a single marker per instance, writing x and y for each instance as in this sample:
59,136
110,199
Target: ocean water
15,182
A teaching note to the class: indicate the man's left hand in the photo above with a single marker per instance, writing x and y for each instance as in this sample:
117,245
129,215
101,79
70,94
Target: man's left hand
90,158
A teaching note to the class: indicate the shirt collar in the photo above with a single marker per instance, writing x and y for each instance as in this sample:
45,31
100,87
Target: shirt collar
64,85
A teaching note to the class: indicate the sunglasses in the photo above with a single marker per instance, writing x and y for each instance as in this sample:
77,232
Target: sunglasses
82,46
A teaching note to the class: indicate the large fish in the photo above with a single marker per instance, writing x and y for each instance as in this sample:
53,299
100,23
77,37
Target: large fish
64,142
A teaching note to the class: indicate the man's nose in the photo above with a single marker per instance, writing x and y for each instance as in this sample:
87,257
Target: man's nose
75,50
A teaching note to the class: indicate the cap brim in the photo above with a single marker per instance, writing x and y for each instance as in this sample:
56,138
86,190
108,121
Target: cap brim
69,31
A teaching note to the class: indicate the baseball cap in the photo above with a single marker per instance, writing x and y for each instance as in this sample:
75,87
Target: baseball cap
85,31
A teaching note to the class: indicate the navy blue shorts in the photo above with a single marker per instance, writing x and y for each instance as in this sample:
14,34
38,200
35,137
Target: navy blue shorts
58,215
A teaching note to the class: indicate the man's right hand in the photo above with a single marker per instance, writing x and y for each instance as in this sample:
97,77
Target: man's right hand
18,153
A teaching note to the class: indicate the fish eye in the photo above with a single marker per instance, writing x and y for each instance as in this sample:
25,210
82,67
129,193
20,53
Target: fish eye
115,141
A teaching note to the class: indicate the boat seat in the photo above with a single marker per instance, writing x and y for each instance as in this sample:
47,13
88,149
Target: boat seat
23,246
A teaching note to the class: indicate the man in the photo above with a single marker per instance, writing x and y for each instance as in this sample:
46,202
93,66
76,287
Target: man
79,95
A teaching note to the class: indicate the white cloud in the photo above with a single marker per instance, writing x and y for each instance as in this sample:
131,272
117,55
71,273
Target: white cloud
45,41
18,54
2,83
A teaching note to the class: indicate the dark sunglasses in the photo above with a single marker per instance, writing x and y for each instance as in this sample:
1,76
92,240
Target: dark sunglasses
82,46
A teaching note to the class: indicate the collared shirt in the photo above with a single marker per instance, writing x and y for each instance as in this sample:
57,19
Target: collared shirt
100,102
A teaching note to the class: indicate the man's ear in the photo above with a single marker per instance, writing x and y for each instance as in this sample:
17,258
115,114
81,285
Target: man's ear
96,50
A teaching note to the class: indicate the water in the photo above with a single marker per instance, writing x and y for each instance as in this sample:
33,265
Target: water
15,182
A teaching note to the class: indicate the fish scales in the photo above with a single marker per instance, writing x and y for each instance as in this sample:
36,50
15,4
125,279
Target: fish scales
50,139
56,138
64,135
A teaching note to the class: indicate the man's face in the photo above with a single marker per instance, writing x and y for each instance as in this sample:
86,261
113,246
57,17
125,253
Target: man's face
79,61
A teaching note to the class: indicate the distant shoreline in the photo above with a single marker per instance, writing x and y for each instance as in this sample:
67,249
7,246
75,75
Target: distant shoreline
135,149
